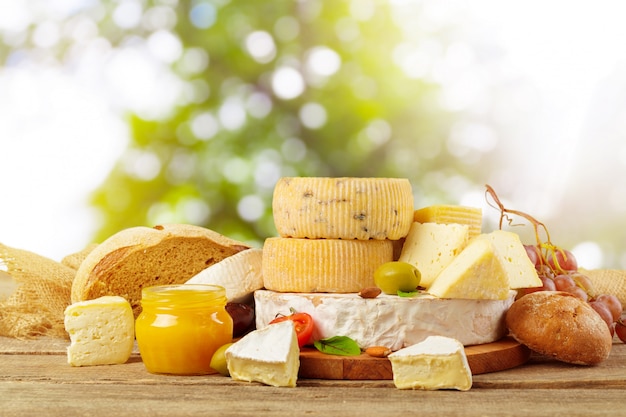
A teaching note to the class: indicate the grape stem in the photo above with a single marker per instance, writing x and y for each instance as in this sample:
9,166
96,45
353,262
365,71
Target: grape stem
545,248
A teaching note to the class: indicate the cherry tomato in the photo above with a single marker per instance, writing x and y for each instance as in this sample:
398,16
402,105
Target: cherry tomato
303,324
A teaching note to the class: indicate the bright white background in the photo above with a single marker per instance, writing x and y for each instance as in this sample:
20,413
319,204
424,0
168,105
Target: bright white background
62,127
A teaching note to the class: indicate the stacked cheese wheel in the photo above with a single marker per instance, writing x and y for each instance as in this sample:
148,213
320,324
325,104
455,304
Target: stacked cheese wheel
334,232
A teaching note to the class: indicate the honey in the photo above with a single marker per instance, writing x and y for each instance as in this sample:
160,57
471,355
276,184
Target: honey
181,326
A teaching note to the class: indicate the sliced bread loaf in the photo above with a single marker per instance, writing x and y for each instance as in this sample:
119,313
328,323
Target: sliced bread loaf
142,256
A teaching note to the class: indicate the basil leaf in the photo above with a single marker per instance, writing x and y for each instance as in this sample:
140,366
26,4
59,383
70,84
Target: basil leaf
338,345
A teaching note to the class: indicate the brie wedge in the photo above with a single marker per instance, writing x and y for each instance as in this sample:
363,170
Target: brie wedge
102,331
269,355
436,363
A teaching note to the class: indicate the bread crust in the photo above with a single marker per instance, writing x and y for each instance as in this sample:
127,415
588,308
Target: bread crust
138,257
560,325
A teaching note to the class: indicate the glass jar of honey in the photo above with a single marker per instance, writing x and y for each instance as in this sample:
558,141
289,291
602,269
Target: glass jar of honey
181,326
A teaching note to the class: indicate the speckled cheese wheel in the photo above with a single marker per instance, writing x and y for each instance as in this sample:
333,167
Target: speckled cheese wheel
343,208
322,265
560,325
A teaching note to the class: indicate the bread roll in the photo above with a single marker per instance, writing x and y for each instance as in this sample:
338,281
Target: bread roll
560,325
142,256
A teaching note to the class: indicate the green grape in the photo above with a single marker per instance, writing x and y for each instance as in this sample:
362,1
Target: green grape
218,360
395,276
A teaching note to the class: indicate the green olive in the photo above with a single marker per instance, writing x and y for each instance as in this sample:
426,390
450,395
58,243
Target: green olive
395,276
218,360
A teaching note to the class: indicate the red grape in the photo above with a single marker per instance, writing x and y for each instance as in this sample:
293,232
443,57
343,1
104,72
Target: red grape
561,282
613,303
562,260
533,254
583,281
603,311
620,330
578,292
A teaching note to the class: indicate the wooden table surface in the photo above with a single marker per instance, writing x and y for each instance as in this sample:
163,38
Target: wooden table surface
35,380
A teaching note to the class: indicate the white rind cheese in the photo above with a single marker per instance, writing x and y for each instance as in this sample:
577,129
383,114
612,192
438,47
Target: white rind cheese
269,355
430,247
436,363
389,320
102,331
240,274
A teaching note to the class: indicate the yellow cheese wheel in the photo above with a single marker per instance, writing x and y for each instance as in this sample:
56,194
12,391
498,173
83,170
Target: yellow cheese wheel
343,208
450,214
322,265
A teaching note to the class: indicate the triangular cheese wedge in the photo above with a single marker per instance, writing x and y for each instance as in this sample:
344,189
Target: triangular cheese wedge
520,271
476,273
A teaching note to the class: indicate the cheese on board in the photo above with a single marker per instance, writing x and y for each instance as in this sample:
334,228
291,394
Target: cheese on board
322,265
240,274
269,355
389,320
430,247
519,269
451,214
436,363
343,208
476,272
102,331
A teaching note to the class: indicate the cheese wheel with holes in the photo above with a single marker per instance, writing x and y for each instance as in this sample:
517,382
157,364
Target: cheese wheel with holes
343,208
322,265
451,214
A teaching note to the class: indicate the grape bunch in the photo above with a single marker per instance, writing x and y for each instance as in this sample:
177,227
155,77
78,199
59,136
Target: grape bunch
558,270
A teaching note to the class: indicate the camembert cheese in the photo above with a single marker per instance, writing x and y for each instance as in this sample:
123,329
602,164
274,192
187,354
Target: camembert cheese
389,320
436,363
477,272
102,331
269,355
430,247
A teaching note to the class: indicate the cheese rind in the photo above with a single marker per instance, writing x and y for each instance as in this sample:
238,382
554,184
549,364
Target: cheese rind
343,208
102,331
476,273
269,355
240,274
430,247
519,270
389,320
322,265
451,214
436,363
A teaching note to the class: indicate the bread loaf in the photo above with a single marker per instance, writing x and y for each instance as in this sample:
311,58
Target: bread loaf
142,256
560,325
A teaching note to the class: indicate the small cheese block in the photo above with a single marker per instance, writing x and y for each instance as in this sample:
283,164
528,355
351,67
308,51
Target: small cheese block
343,208
240,274
322,265
436,363
432,246
451,214
102,331
475,273
269,355
389,320
520,271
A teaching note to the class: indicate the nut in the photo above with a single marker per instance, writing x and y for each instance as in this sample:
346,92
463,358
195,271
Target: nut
370,292
378,351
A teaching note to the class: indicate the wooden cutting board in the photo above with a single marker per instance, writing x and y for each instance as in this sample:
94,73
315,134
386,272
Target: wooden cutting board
491,357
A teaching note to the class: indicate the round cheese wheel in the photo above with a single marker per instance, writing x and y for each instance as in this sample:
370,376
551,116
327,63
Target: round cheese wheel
389,320
322,265
343,208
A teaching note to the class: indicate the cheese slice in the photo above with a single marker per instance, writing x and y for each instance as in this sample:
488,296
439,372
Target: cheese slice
389,320
436,363
519,270
240,274
322,265
102,331
432,246
343,208
269,355
451,214
476,272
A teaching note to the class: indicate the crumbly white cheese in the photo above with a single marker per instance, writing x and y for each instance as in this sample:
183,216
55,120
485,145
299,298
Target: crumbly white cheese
389,320
436,363
102,331
240,274
269,355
